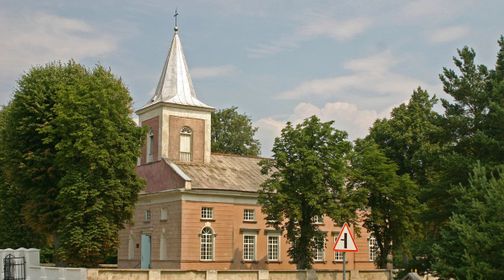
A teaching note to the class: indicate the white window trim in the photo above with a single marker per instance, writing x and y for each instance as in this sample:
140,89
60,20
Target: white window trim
248,219
147,215
211,212
186,132
372,255
279,250
213,245
315,259
336,253
318,220
254,257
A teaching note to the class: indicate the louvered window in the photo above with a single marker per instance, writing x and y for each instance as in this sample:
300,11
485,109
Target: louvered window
185,144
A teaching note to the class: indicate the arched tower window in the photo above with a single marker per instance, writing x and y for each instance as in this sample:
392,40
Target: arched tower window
150,145
185,144
206,244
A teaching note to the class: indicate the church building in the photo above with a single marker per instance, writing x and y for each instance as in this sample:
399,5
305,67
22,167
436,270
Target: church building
199,210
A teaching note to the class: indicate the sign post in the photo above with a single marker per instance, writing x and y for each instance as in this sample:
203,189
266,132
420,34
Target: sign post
345,243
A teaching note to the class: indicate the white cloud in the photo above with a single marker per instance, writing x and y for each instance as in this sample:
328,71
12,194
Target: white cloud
322,26
346,116
369,74
432,10
339,30
448,34
38,38
211,72
269,128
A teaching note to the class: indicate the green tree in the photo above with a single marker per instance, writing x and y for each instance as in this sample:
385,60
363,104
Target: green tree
472,241
411,138
71,146
307,175
392,205
14,232
233,133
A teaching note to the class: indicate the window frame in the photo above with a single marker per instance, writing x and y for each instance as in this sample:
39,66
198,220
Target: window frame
147,215
338,256
318,220
373,248
186,132
207,239
270,246
249,218
247,246
317,251
203,213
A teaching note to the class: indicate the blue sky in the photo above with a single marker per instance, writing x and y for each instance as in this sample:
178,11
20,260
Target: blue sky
278,61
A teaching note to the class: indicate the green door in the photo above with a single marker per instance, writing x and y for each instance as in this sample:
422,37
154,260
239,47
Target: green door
145,252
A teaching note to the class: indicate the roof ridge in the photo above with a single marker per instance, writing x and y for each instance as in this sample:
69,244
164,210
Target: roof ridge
236,155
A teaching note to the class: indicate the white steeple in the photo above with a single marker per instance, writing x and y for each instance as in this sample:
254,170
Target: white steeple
175,84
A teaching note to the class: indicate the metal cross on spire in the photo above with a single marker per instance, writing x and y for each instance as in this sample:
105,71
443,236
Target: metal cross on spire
175,16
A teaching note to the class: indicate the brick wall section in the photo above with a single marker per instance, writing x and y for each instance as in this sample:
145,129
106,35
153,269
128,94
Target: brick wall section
154,228
183,240
198,138
152,123
159,176
229,227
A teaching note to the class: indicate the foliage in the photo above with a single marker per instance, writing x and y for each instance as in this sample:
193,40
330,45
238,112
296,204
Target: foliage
439,151
233,133
411,139
307,175
393,209
14,232
408,136
472,241
71,147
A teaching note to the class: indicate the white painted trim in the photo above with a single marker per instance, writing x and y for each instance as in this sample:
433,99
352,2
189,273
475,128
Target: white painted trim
177,170
219,196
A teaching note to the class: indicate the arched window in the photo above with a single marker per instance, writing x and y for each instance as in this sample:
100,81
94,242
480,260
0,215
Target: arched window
150,145
185,144
207,244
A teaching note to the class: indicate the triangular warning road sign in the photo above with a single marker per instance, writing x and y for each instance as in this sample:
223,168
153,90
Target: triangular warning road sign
345,241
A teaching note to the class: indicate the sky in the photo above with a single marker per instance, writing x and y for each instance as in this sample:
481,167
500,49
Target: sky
346,61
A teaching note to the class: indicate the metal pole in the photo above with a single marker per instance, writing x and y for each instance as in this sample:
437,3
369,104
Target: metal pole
344,265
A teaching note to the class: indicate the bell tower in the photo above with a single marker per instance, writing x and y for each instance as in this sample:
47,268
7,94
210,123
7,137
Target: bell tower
178,123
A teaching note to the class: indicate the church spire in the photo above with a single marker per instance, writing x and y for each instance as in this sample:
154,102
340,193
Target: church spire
175,84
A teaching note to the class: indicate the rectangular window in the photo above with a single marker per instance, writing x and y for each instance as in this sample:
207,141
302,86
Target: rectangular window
147,216
318,251
185,147
338,256
249,245
206,213
273,247
249,215
164,214
318,219
150,146
373,248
